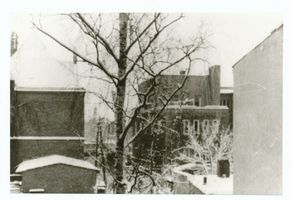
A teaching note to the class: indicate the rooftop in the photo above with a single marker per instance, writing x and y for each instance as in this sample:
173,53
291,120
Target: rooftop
53,160
209,107
226,90
272,32
214,185
48,89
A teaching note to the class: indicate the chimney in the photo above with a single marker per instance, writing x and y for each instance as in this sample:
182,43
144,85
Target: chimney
13,43
214,81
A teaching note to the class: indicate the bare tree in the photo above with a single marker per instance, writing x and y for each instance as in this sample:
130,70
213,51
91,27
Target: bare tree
136,47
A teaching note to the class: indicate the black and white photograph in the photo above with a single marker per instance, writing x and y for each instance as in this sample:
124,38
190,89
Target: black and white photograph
145,103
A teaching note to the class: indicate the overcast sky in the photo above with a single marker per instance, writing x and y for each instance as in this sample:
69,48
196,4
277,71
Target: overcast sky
233,34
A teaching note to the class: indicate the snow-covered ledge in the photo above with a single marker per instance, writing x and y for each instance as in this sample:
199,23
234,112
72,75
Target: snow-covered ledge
194,184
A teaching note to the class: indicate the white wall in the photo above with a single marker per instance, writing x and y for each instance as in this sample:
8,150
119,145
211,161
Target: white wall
258,119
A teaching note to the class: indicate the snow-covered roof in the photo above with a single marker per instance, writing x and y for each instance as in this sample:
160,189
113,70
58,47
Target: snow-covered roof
226,90
53,160
214,185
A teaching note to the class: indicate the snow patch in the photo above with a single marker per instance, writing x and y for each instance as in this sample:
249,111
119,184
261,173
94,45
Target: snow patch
52,160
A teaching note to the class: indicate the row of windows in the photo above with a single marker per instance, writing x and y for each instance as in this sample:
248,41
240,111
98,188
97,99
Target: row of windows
194,127
225,102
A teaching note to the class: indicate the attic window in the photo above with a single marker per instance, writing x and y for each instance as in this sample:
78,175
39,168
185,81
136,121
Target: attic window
224,102
198,100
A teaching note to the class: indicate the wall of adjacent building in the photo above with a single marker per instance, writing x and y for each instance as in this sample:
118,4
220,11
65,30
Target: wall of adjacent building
49,113
38,114
226,99
258,118
59,179
28,149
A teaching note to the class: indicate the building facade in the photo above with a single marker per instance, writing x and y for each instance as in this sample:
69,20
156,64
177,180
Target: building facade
194,112
258,118
46,121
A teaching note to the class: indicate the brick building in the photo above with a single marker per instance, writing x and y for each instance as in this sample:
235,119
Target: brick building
194,111
46,121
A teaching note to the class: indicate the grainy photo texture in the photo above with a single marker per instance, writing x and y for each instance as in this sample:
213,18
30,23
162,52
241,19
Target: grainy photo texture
146,103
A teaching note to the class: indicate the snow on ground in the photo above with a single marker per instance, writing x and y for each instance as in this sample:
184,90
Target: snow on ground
214,185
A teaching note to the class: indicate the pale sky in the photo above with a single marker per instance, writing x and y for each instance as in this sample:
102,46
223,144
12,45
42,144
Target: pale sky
232,34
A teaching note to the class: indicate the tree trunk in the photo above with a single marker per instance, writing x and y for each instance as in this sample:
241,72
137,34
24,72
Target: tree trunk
119,105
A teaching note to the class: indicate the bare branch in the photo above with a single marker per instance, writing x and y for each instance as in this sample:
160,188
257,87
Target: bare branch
101,67
156,16
98,36
161,109
158,32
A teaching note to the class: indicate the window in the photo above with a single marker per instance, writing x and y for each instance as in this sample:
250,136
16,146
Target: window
198,100
186,126
205,126
227,103
224,102
196,127
215,126
221,102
